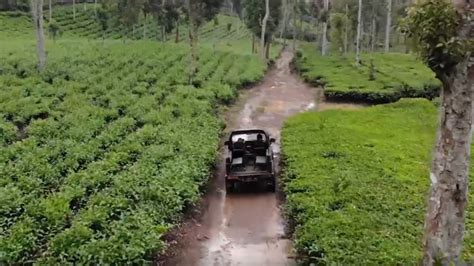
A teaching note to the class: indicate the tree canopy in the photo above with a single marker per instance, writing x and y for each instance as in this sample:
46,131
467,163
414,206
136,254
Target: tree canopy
254,13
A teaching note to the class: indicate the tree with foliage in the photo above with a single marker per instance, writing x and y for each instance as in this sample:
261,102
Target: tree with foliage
129,12
37,12
338,22
53,29
180,18
444,34
146,12
166,13
237,7
102,16
198,12
254,14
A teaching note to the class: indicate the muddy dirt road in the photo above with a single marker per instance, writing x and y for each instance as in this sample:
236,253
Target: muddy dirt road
247,228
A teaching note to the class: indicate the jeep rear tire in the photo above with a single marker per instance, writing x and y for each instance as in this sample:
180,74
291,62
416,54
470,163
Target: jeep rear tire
228,186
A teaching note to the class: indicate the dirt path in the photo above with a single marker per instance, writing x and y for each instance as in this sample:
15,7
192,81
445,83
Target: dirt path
247,228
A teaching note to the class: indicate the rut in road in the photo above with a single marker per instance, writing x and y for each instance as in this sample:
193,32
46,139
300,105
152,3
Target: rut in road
247,228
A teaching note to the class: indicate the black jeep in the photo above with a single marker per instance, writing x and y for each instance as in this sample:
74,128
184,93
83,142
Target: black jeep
249,159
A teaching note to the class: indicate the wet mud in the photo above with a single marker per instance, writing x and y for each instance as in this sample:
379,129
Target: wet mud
247,228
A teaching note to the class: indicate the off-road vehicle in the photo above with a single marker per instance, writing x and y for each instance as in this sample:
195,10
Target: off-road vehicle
249,159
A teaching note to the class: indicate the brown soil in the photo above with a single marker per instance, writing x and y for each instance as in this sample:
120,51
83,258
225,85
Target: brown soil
247,228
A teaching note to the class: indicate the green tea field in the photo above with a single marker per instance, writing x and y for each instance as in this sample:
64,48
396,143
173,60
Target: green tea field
395,76
356,183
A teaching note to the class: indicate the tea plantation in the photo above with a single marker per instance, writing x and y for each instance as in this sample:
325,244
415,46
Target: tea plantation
86,25
356,183
102,151
395,76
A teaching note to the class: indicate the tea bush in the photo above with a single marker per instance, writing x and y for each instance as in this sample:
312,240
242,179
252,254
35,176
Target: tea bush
102,151
396,76
86,25
356,183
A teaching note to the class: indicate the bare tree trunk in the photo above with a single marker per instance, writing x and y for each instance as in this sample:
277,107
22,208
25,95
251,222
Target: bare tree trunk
253,43
359,26
267,49
324,45
294,25
444,224
372,38
346,31
163,33
74,9
85,5
388,26
192,41
264,26
37,12
144,28
95,6
176,40
285,17
50,10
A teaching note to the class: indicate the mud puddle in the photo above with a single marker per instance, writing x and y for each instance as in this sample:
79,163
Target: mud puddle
247,228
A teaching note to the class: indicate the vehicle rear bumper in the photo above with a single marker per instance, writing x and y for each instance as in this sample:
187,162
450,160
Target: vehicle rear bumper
263,177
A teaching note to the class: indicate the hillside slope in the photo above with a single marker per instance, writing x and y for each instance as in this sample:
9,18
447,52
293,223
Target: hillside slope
86,25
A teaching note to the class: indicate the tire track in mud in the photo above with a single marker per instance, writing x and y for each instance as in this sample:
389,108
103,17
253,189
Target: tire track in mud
247,228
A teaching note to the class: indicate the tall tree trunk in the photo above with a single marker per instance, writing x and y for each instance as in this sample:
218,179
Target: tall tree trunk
85,5
346,31
444,224
192,41
253,43
144,28
372,38
176,40
388,26
294,25
285,17
37,12
267,48
359,29
163,33
95,6
264,26
324,45
74,9
50,10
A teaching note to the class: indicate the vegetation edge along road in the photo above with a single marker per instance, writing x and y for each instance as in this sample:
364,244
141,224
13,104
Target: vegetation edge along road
372,82
106,189
356,182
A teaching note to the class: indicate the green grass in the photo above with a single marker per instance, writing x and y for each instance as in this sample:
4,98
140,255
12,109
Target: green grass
356,183
102,151
396,76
